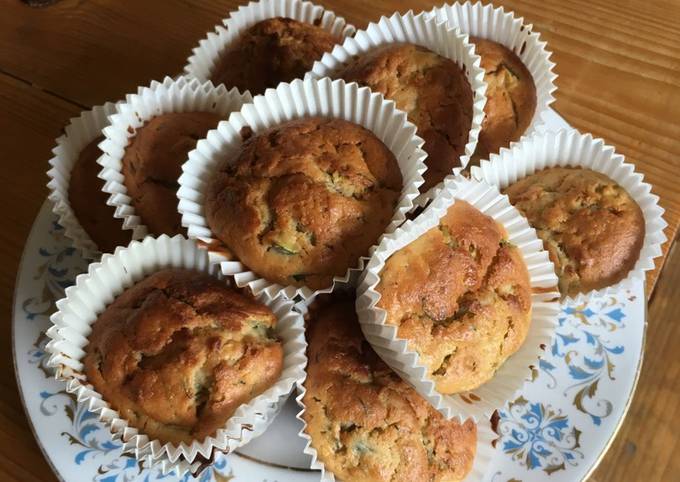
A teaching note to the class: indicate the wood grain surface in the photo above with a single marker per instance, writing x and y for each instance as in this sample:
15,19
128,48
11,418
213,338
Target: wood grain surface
619,68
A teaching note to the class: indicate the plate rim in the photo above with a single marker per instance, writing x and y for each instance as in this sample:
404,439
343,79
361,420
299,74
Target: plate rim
19,276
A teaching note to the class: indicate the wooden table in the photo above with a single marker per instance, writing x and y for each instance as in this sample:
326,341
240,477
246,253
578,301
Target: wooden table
619,67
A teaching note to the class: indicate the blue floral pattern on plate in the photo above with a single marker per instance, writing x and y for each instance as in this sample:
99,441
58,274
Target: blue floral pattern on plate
581,343
538,436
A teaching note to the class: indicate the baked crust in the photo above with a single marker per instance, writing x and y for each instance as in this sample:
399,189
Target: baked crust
431,89
177,353
591,227
460,295
510,97
271,51
152,164
304,200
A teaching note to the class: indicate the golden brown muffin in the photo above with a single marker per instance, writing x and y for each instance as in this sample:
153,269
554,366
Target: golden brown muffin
431,89
271,51
510,97
460,295
366,423
153,162
590,225
304,200
177,353
88,202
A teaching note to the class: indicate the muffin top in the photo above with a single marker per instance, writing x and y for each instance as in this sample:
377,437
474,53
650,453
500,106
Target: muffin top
431,89
271,51
590,225
460,295
152,164
366,423
303,201
510,97
177,353
88,202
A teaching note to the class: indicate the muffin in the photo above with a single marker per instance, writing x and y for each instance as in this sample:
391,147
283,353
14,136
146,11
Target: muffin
460,296
365,422
177,353
88,202
152,164
510,97
591,227
303,201
271,51
431,89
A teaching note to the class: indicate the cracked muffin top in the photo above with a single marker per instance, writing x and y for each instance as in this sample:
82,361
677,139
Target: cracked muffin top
366,423
510,97
88,202
271,51
591,227
152,164
431,89
460,295
303,201
177,353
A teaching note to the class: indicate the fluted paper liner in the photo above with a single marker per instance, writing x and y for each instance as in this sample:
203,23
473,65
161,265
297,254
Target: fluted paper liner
181,95
203,58
77,135
496,24
571,148
287,102
97,288
430,33
485,435
510,377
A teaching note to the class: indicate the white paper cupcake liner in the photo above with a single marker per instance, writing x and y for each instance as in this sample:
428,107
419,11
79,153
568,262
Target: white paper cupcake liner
503,27
181,95
98,287
483,456
571,148
203,58
510,377
78,133
432,34
298,99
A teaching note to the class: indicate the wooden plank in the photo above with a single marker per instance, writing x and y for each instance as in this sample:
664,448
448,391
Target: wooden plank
98,50
30,121
619,62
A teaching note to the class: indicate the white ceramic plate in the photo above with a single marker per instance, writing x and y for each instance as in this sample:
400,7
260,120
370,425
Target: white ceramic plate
560,425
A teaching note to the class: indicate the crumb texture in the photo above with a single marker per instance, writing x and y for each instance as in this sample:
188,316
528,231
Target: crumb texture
152,164
271,51
177,353
88,202
510,97
367,424
304,200
460,295
591,227
431,89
